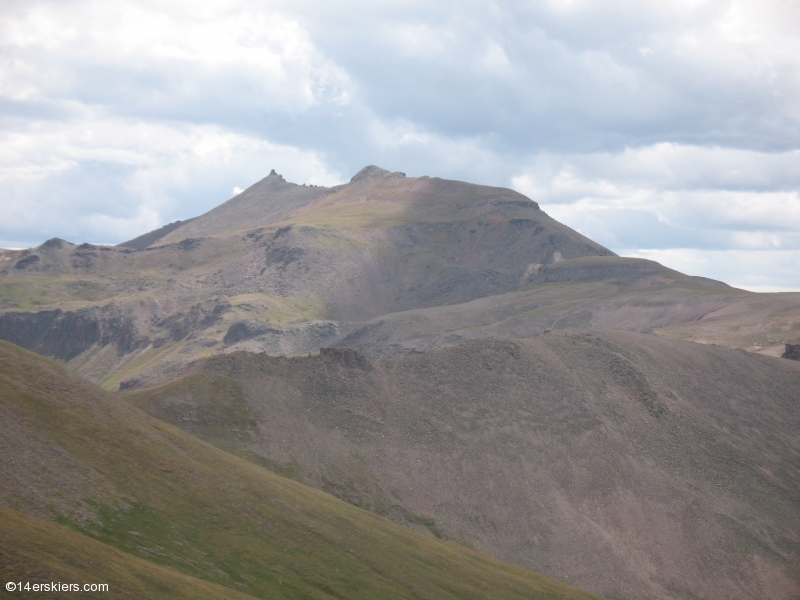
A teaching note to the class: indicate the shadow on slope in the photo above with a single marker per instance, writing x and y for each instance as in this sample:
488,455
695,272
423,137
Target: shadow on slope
600,293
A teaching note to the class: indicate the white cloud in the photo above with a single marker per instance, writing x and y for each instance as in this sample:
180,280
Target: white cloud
165,54
495,60
687,187
663,166
109,179
691,208
715,72
757,271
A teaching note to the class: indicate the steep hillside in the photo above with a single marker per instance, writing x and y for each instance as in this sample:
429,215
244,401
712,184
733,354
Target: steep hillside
628,464
151,237
71,453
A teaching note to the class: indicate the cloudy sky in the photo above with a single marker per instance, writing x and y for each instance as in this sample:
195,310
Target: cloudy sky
666,130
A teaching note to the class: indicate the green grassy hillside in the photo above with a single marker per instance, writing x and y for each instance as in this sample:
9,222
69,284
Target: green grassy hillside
74,455
37,552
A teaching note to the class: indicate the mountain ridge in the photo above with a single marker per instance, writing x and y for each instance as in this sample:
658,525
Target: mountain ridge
299,254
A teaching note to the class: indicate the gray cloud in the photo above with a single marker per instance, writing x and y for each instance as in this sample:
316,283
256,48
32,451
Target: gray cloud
595,76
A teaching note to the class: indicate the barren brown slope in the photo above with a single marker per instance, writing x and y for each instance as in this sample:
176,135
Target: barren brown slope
71,453
600,293
628,464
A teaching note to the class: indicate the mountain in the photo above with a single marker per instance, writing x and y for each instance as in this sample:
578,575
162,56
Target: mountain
627,464
155,512
442,354
385,264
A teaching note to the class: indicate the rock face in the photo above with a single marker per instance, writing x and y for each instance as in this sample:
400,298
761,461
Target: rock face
27,261
346,357
792,352
67,334
245,330
373,172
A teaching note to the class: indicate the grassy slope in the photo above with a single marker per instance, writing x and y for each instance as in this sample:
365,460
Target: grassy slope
109,471
35,551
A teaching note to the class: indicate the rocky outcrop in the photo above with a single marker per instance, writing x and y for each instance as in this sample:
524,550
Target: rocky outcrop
51,332
246,330
197,318
133,382
373,172
66,334
347,357
792,352
27,261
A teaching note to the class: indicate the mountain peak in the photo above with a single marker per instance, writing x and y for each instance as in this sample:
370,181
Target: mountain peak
373,172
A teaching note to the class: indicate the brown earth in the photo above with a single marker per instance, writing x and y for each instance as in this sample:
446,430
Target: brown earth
631,465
